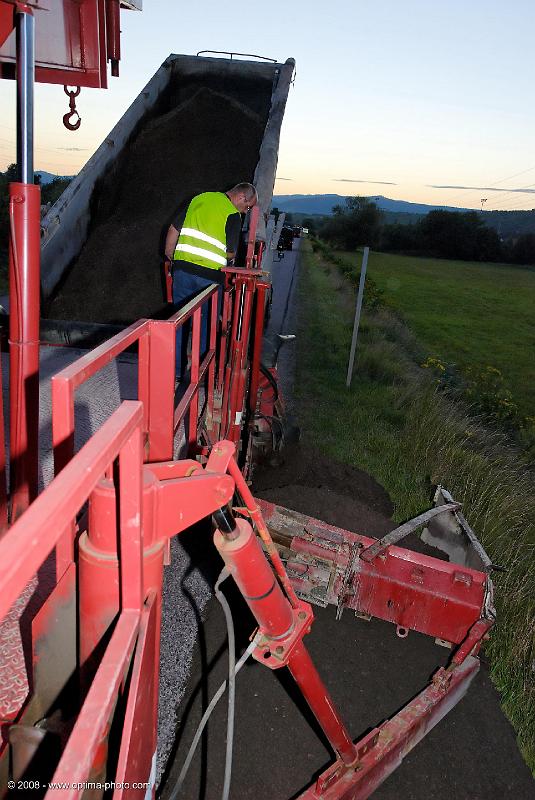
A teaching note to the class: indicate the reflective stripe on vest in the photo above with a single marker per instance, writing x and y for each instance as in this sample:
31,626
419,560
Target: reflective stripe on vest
198,251
202,239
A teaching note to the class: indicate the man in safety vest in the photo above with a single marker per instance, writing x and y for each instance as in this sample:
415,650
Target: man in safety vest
204,238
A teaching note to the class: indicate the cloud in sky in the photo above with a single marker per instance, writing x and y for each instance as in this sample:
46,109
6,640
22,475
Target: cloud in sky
481,188
284,179
355,180
73,149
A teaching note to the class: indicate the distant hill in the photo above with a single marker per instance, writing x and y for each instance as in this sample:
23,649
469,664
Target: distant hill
508,224
48,177
323,204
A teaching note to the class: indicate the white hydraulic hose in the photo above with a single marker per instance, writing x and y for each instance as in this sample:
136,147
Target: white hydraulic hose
234,668
231,681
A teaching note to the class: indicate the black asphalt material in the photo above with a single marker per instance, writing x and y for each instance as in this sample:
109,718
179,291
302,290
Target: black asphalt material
202,140
370,672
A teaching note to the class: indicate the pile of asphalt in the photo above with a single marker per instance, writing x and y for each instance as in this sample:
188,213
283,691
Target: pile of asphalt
208,142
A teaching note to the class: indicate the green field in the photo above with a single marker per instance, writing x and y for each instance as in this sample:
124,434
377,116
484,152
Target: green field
397,425
466,313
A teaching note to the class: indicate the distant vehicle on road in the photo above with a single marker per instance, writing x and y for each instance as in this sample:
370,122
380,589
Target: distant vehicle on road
286,238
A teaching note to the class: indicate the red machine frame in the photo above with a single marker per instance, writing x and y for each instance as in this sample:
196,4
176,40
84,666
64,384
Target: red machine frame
108,561
74,40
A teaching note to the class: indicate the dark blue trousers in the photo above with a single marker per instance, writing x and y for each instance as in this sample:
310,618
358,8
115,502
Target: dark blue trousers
185,287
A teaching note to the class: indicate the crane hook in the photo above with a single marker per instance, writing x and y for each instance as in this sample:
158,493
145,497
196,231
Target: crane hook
72,126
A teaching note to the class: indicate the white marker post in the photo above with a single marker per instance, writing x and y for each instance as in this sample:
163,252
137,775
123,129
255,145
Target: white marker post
357,316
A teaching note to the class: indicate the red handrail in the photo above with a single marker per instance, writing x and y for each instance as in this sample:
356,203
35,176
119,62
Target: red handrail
22,549
28,543
156,370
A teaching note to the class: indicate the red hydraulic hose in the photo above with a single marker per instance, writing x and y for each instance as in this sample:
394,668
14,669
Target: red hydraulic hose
256,516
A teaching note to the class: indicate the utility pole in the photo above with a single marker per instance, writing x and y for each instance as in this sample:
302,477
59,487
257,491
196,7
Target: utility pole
483,201
358,309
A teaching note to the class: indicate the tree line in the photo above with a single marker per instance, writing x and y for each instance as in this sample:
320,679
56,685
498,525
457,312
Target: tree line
455,235
49,194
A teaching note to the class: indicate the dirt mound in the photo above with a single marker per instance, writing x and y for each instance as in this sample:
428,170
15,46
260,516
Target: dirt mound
208,142
338,494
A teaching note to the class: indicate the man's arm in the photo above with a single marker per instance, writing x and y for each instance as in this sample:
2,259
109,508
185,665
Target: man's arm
174,229
170,242
232,230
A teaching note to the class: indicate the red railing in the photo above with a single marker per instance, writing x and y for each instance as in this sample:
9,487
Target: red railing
22,553
156,379
156,340
157,420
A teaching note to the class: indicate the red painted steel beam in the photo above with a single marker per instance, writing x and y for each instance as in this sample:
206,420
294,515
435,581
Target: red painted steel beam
3,477
160,390
187,311
84,367
24,298
137,754
7,20
212,347
113,35
191,434
254,215
383,750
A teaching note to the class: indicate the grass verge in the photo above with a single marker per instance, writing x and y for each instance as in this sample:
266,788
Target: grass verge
394,424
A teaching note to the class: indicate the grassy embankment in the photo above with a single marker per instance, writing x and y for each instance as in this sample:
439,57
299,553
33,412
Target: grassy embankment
395,424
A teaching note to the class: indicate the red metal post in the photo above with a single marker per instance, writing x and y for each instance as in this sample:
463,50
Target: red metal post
101,583
113,35
251,237
214,313
261,289
24,290
162,390
143,380
168,277
194,374
3,484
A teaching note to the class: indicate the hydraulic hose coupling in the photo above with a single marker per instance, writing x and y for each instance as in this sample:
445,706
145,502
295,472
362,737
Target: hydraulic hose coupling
225,522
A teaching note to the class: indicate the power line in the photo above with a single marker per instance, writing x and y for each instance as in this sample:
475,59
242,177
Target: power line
473,193
513,191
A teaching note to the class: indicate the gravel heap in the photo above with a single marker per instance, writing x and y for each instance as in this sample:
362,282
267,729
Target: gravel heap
208,142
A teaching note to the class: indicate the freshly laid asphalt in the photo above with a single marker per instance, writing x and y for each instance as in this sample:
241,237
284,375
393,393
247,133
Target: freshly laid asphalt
278,750
370,672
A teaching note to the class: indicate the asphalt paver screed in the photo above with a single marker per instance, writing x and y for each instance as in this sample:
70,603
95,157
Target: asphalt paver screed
209,142
472,754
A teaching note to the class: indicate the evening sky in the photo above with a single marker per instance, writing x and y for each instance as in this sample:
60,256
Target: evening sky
425,100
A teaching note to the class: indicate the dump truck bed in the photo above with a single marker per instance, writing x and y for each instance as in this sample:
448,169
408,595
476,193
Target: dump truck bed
201,124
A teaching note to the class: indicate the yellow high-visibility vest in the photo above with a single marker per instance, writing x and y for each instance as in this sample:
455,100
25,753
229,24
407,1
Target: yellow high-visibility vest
202,239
